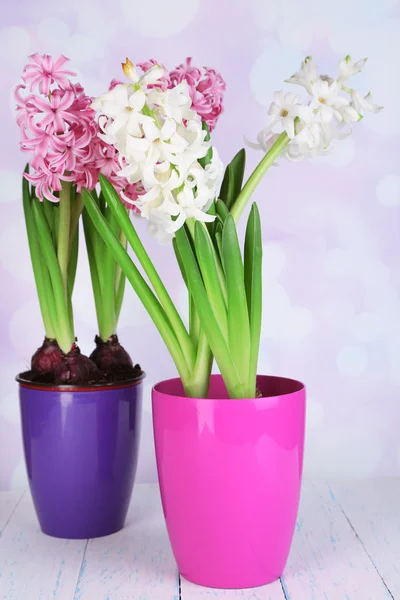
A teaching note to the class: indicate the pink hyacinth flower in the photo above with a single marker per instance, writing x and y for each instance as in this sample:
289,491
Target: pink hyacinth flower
42,73
56,111
206,90
164,82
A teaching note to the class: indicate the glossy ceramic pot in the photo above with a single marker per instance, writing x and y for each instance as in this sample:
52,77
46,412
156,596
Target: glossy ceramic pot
81,450
230,476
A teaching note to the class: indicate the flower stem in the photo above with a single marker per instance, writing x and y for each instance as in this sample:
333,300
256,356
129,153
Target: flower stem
76,212
108,289
198,385
257,175
63,242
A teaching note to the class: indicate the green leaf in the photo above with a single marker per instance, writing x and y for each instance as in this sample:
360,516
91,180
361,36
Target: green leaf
101,202
207,260
65,334
39,268
209,323
218,239
120,281
108,267
253,284
90,234
233,179
211,211
142,289
72,264
179,261
121,216
49,209
222,210
238,317
73,261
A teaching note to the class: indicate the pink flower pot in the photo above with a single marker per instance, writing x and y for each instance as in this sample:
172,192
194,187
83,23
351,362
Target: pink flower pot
230,477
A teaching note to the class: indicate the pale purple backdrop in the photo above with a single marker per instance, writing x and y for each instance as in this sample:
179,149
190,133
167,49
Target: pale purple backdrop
331,226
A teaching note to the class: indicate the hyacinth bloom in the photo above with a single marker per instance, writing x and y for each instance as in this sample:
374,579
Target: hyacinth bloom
206,88
165,145
60,132
162,142
68,150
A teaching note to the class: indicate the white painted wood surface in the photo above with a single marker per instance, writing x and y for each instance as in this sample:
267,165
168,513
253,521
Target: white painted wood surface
327,560
8,504
35,566
346,547
374,513
136,562
273,591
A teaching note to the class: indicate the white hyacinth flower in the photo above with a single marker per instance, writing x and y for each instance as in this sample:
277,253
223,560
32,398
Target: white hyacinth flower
327,100
160,140
328,114
306,75
347,67
285,109
363,104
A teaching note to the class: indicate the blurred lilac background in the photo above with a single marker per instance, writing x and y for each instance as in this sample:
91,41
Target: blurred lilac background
331,225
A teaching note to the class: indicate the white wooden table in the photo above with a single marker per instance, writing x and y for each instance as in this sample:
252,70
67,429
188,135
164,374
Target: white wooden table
346,547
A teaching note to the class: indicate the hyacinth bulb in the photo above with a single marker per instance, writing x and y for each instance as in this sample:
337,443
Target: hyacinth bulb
112,358
47,358
76,368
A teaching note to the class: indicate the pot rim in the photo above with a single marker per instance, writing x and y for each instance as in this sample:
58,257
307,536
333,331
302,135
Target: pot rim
300,388
89,387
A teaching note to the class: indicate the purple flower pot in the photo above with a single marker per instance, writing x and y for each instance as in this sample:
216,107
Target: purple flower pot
81,450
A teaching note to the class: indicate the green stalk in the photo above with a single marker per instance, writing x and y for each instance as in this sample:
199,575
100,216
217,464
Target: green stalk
120,281
194,323
90,233
76,211
118,271
63,231
142,289
253,284
200,379
257,175
119,296
238,317
208,322
108,285
72,264
207,260
65,334
191,223
127,227
45,298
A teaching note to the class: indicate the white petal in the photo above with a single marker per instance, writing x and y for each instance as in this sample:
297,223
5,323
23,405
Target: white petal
288,124
177,224
168,129
134,144
137,100
151,131
153,75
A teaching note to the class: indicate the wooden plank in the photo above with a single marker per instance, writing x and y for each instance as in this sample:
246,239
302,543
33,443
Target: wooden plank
327,560
8,503
372,507
35,566
135,563
273,591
